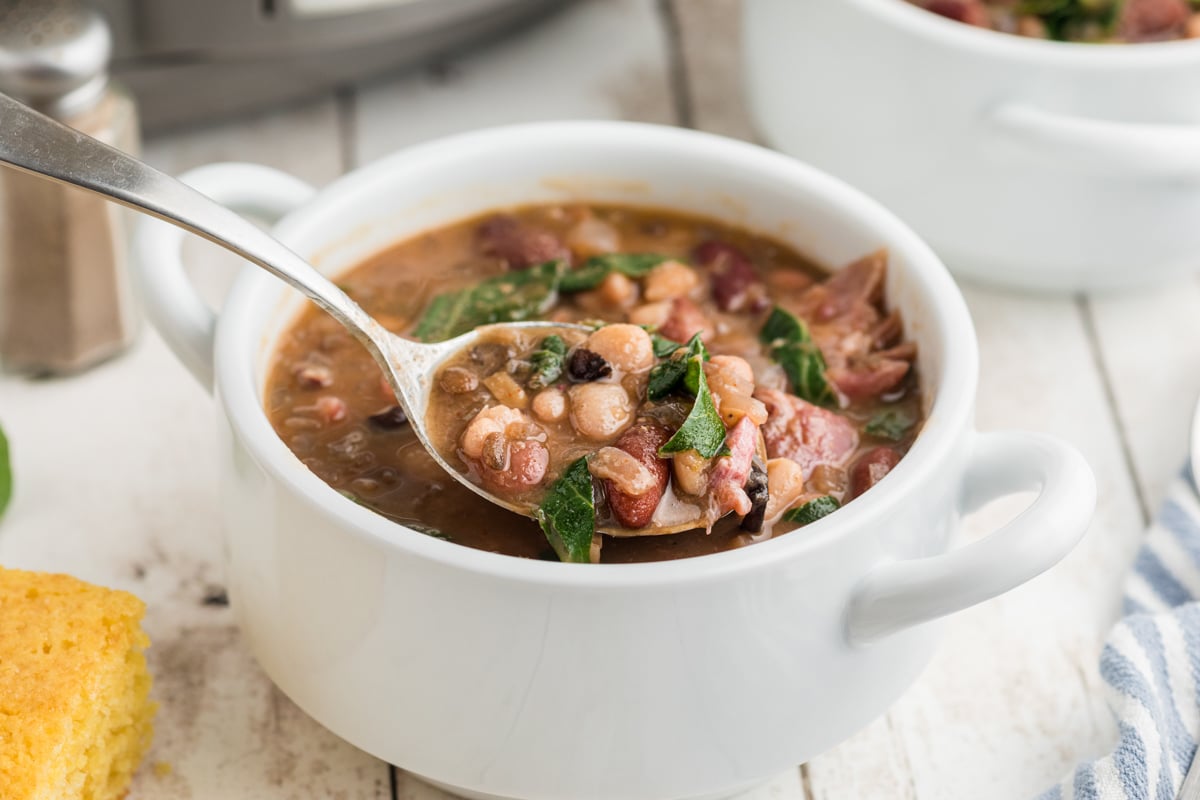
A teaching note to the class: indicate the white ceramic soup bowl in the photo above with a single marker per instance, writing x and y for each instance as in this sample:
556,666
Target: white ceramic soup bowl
503,677
1028,163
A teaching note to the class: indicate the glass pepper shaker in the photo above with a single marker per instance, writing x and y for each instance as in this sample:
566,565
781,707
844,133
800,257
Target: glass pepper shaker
65,298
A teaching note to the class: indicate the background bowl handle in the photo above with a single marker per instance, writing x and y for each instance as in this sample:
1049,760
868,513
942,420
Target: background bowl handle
1097,146
899,594
172,303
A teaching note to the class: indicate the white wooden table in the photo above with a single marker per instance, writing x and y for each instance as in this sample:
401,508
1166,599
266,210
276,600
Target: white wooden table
116,469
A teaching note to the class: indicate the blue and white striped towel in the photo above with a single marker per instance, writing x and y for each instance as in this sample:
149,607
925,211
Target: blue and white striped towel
1151,666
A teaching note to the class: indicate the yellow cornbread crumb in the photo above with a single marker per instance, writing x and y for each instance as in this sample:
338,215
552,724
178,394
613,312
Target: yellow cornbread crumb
74,691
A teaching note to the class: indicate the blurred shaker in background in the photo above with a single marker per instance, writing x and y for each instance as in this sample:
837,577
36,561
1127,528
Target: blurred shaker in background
65,300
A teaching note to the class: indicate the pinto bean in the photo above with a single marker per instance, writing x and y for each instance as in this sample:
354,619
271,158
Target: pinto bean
457,380
870,468
642,441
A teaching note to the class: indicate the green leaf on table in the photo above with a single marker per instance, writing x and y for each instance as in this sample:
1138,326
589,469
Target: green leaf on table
510,297
890,424
812,511
568,514
597,268
547,362
677,370
703,430
792,348
6,478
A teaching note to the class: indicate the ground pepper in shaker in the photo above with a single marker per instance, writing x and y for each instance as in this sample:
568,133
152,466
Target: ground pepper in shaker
65,299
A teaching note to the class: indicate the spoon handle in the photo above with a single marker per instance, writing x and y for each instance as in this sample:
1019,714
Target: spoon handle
34,143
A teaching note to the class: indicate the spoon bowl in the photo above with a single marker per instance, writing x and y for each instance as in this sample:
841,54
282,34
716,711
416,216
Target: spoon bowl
36,144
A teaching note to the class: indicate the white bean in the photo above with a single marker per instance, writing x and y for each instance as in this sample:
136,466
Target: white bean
495,419
600,410
785,485
668,280
550,405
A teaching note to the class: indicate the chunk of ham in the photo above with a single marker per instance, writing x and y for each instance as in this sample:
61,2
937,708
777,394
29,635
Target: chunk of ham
736,285
685,320
727,482
844,318
805,433
519,244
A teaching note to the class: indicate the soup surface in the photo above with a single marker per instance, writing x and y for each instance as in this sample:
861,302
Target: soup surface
809,396
1077,20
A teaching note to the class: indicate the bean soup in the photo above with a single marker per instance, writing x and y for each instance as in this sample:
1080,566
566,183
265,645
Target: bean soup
723,391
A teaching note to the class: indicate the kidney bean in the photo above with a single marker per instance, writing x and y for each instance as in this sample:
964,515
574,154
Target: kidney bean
518,244
870,468
735,282
642,441
525,468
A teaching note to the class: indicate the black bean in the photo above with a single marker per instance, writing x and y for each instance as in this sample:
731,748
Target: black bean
756,490
586,365
389,419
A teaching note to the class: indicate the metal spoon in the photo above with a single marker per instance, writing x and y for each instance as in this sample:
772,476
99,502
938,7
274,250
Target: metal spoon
36,144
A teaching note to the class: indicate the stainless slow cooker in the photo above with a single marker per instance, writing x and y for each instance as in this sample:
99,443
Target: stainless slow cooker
187,60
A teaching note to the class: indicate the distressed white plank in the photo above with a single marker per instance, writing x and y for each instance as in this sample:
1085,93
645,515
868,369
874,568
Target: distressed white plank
1010,702
116,483
1151,350
595,59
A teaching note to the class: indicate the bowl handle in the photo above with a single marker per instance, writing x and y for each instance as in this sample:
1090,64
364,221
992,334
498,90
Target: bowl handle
899,594
1092,146
172,303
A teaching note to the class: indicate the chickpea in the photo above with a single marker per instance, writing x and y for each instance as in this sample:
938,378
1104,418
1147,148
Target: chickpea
550,405
600,410
495,419
785,485
668,280
626,347
691,472
651,314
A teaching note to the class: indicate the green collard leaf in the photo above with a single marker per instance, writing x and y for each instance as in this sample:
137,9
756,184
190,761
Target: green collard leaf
547,362
793,349
597,268
812,511
703,430
663,346
890,424
568,514
669,375
510,297
6,477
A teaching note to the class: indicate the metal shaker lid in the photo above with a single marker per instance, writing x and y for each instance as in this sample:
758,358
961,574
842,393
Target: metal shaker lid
53,54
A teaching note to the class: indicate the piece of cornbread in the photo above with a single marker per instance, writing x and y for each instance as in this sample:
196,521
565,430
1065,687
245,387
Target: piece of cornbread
74,690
